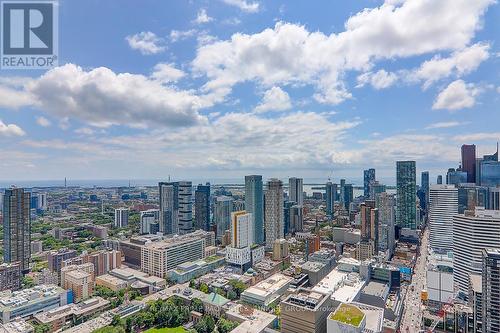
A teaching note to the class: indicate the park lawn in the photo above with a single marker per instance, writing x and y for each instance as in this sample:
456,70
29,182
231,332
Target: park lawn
179,329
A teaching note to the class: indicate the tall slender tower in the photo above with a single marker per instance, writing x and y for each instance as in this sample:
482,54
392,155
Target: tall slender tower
406,204
296,190
17,227
368,178
254,204
274,212
469,162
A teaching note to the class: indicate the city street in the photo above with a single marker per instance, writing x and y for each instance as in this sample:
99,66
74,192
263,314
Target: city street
412,315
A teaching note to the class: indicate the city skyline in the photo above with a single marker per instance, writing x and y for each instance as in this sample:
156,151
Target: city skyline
189,111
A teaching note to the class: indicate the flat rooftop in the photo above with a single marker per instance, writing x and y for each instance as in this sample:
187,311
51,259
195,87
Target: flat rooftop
270,285
251,320
348,314
343,286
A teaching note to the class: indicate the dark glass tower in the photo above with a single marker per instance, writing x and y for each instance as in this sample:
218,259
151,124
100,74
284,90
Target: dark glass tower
202,207
254,203
17,227
368,178
406,201
469,162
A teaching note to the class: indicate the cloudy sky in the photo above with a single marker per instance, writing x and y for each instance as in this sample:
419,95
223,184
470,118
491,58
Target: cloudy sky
223,88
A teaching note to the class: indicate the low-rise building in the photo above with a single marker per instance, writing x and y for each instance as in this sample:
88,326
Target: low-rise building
251,320
17,326
355,318
305,312
27,302
10,276
193,269
267,291
65,315
316,271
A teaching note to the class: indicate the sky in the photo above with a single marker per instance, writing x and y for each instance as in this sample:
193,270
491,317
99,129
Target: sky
224,88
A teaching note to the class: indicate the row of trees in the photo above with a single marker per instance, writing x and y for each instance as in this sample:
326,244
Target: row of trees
168,313
232,291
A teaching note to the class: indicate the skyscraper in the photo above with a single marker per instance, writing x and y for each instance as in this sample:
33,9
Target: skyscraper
331,195
254,204
348,195
202,207
241,229
469,162
491,290
439,180
473,232
274,217
369,223
424,185
385,203
443,205
17,227
222,214
406,200
169,207
185,207
176,211
121,217
368,178
296,190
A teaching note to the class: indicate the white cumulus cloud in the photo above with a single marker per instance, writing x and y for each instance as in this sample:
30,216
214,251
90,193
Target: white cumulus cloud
10,129
246,6
275,99
42,121
146,42
167,73
203,17
457,95
379,80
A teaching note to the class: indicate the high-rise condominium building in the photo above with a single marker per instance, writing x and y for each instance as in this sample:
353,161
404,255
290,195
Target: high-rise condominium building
439,180
443,205
469,162
157,258
368,178
369,223
241,229
424,185
254,204
491,290
385,204
185,207
331,196
121,217
348,195
175,207
149,220
274,214
473,232
406,200
202,207
17,227
222,215
296,190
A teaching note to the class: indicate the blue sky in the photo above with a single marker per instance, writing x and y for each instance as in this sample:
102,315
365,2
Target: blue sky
219,89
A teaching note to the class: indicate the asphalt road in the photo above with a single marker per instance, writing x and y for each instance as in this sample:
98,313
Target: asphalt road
412,314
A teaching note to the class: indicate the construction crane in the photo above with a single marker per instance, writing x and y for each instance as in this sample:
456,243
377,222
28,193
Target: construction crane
442,312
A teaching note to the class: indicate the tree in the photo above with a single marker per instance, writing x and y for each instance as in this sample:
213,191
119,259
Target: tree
43,328
27,282
204,288
116,321
197,305
238,286
205,325
226,326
